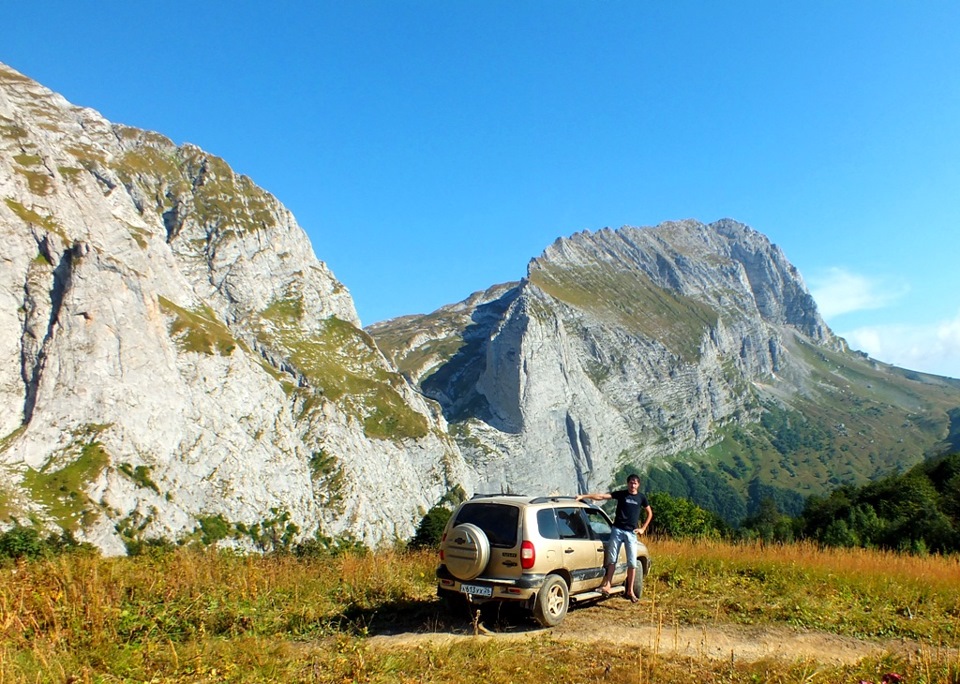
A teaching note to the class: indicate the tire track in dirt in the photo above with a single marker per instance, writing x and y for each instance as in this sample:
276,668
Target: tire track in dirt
622,624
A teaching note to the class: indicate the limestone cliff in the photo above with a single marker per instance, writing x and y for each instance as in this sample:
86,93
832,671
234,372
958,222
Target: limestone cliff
623,348
176,363
171,350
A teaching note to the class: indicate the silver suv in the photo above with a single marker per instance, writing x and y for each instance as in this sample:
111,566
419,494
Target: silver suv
542,552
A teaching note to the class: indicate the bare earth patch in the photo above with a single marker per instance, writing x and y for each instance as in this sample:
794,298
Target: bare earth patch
617,622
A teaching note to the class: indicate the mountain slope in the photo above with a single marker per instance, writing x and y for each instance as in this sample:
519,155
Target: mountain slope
691,350
171,351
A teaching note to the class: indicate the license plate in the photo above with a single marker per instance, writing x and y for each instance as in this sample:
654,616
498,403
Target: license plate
475,590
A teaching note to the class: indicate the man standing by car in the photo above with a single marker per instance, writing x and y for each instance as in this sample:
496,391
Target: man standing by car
626,527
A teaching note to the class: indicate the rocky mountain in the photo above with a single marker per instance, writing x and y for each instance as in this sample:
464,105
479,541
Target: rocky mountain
172,353
175,362
691,351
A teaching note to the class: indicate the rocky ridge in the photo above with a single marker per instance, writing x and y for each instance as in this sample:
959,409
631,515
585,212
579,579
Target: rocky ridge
621,343
171,350
176,363
630,347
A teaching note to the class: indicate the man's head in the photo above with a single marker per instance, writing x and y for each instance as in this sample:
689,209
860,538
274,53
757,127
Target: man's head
633,482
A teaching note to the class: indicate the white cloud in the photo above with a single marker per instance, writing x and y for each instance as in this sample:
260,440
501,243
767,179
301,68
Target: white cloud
839,291
929,348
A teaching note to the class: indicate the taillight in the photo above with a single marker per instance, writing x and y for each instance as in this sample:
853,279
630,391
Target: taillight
528,555
442,539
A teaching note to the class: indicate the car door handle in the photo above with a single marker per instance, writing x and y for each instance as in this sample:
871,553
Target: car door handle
568,551
600,548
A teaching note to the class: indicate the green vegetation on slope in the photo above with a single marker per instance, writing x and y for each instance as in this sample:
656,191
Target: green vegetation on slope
848,422
917,511
61,490
631,300
198,331
343,364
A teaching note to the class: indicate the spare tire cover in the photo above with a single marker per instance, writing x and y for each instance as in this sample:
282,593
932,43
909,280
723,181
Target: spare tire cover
466,551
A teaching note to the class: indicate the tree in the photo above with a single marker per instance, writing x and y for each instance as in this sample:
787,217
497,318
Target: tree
769,524
430,529
678,517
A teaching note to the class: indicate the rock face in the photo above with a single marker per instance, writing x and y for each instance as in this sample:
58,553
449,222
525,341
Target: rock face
620,346
171,351
176,363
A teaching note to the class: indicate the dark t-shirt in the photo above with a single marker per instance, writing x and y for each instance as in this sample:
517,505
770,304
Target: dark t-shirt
629,506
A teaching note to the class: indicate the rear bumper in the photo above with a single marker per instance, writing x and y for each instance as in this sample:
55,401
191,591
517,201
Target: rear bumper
482,588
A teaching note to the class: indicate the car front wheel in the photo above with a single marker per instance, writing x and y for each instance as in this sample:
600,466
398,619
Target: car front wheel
552,601
638,581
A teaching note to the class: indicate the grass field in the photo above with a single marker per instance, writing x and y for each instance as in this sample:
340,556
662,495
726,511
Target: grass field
201,616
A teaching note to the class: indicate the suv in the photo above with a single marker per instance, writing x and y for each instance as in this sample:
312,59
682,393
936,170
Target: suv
542,552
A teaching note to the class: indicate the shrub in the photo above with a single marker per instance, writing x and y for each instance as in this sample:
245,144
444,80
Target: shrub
430,529
22,541
323,546
680,518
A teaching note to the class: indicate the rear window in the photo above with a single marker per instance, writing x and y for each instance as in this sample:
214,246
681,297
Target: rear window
499,522
547,524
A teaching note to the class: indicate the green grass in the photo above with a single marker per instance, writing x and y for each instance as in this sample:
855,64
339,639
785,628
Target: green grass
28,159
70,173
632,301
139,475
34,218
61,490
343,365
286,311
224,199
7,440
198,331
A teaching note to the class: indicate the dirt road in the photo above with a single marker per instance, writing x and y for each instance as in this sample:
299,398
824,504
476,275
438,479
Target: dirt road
618,621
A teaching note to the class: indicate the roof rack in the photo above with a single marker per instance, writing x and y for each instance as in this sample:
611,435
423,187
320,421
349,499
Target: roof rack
487,496
545,499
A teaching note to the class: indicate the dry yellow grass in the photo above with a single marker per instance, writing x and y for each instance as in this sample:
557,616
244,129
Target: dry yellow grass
194,616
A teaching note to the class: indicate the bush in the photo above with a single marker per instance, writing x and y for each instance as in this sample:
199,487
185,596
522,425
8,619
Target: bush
430,529
680,518
21,541
322,546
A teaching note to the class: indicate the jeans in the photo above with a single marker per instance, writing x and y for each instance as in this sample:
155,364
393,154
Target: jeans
617,539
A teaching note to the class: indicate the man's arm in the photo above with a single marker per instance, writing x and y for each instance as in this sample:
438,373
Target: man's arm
647,521
599,496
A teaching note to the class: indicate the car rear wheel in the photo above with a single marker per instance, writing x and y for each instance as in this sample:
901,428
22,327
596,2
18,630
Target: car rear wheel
453,603
466,551
552,601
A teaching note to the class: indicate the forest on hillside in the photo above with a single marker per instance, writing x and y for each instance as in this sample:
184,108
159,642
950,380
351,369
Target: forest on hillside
917,512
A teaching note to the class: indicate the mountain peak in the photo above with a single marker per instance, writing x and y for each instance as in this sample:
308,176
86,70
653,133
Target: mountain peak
726,265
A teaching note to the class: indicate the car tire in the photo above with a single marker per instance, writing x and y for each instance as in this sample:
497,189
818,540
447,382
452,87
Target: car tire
638,581
552,602
466,551
453,603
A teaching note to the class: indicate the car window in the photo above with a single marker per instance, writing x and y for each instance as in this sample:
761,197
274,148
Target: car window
498,522
547,524
571,524
599,525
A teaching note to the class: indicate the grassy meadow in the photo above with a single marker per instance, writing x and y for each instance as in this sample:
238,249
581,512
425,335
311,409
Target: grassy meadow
202,616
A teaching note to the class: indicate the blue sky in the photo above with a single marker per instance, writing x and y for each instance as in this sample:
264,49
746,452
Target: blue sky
430,149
